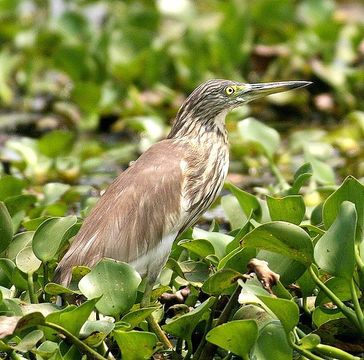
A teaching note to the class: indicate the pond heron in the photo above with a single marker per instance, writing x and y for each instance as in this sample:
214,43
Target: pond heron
167,188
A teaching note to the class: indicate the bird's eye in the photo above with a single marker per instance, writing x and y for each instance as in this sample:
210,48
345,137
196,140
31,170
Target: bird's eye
229,90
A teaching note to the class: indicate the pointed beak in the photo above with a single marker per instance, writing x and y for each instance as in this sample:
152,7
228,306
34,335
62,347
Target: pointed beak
254,91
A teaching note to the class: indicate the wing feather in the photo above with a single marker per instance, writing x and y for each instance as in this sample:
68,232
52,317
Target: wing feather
139,208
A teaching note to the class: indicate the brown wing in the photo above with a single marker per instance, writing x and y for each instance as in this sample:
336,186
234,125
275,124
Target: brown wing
137,210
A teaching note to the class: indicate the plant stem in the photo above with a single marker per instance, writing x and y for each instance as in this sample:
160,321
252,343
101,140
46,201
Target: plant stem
77,342
349,313
190,349
207,329
281,180
209,349
302,351
357,308
335,352
32,296
45,280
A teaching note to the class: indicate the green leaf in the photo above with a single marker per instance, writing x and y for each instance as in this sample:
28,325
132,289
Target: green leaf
30,320
300,178
248,202
136,345
350,190
334,251
286,311
116,282
322,172
218,240
200,247
184,325
26,261
6,227
10,186
306,282
272,343
237,259
339,286
266,137
237,336
134,318
290,208
289,269
283,238
233,211
56,289
310,341
94,332
220,282
50,236
322,315
72,317
56,142
29,341
53,192
19,242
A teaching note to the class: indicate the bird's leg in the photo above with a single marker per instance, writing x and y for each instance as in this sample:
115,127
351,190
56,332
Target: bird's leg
153,324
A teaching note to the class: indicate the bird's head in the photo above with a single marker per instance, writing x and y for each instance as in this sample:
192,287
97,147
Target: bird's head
214,98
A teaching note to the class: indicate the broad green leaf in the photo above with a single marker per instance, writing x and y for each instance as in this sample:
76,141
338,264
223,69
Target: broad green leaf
322,315
200,247
233,211
53,192
237,259
6,227
30,320
237,336
300,177
26,261
72,318
339,286
220,282
46,349
322,172
10,186
56,142
7,267
289,269
184,325
252,130
248,202
134,318
116,282
19,242
306,282
94,332
272,343
218,240
350,190
50,236
283,238
56,289
195,271
290,208
310,341
29,341
334,252
136,345
286,311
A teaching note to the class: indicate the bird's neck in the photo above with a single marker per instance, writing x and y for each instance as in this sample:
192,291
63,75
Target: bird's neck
199,128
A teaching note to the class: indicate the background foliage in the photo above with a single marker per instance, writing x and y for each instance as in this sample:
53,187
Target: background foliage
85,86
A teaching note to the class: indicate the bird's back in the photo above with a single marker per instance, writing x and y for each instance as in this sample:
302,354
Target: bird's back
143,210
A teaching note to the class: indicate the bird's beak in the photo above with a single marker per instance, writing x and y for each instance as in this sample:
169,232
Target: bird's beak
250,92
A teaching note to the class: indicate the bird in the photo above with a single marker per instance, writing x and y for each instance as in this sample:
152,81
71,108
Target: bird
168,187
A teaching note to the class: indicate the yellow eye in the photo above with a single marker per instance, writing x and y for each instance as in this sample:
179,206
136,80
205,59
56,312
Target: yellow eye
229,90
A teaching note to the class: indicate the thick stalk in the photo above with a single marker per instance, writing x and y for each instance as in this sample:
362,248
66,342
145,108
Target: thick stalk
45,281
357,308
302,351
77,342
281,180
189,349
153,324
349,313
209,349
335,352
32,296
